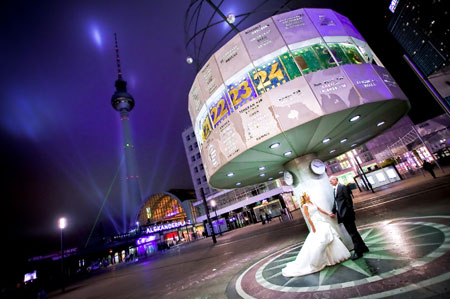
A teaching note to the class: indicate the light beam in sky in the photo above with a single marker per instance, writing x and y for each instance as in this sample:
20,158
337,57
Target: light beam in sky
96,36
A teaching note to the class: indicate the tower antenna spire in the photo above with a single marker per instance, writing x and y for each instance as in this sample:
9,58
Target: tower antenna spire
119,72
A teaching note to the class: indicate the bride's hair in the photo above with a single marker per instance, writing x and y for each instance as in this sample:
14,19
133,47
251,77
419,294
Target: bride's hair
303,199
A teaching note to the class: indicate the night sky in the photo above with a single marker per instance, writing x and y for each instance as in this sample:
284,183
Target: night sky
60,137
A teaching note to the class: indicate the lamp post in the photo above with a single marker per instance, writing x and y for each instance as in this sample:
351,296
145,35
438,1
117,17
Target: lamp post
62,223
214,206
363,174
213,235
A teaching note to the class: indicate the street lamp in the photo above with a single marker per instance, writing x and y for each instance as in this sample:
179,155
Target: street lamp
62,223
213,235
214,206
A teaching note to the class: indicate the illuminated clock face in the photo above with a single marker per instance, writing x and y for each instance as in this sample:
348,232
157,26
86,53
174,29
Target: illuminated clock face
288,178
317,167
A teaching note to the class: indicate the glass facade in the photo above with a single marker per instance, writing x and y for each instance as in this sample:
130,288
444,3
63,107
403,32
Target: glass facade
161,208
345,166
422,29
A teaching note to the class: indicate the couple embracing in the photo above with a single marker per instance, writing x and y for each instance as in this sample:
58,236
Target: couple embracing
322,246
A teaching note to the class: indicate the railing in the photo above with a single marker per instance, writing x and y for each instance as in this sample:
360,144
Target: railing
237,195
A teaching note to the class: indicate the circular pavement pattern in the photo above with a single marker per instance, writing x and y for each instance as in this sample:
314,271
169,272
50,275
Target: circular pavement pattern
406,255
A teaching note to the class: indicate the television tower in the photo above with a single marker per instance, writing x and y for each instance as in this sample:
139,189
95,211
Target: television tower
123,102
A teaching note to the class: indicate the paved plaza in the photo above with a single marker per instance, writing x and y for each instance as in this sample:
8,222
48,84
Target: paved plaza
405,225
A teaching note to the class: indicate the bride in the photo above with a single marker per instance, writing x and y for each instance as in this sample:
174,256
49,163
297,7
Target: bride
322,246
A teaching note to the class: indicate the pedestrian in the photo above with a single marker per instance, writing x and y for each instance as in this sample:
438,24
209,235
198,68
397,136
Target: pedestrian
289,214
429,167
283,215
350,190
268,218
343,209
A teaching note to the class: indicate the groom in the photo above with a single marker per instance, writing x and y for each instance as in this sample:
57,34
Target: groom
343,208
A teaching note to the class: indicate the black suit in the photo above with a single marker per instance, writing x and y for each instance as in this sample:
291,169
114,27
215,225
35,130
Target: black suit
343,208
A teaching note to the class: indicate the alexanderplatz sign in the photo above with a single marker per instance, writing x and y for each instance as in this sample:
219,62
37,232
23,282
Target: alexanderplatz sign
160,228
163,227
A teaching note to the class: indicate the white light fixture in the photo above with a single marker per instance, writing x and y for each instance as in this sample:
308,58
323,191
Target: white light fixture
230,174
62,223
262,174
238,183
332,151
281,172
326,140
270,179
355,118
213,203
354,144
274,145
231,18
344,140
262,168
380,123
286,154
189,60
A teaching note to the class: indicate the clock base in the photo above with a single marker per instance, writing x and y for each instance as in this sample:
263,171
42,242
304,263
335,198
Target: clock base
317,186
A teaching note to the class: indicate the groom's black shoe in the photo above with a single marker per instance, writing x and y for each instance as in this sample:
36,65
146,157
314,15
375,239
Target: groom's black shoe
356,256
365,250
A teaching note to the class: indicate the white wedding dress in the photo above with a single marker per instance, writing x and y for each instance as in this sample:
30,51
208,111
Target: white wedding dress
322,248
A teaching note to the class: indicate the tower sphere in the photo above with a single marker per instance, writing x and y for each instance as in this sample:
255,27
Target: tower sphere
121,99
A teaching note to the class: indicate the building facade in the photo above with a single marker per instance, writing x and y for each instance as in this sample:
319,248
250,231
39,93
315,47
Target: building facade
234,207
423,30
405,146
196,164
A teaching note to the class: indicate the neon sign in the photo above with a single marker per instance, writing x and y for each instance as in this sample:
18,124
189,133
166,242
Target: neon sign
172,214
157,228
30,276
393,5
144,240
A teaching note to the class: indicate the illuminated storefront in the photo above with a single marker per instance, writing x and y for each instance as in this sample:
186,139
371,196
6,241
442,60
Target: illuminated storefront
345,167
165,220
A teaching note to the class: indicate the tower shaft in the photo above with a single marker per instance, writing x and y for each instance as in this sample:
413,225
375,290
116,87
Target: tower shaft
123,102
132,176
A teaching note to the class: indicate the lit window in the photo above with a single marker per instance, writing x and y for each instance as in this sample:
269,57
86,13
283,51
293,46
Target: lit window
345,165
342,157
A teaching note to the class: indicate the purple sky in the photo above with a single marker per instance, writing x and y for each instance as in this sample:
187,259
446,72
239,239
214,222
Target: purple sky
60,136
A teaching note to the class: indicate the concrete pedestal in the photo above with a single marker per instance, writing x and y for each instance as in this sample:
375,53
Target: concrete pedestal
316,186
